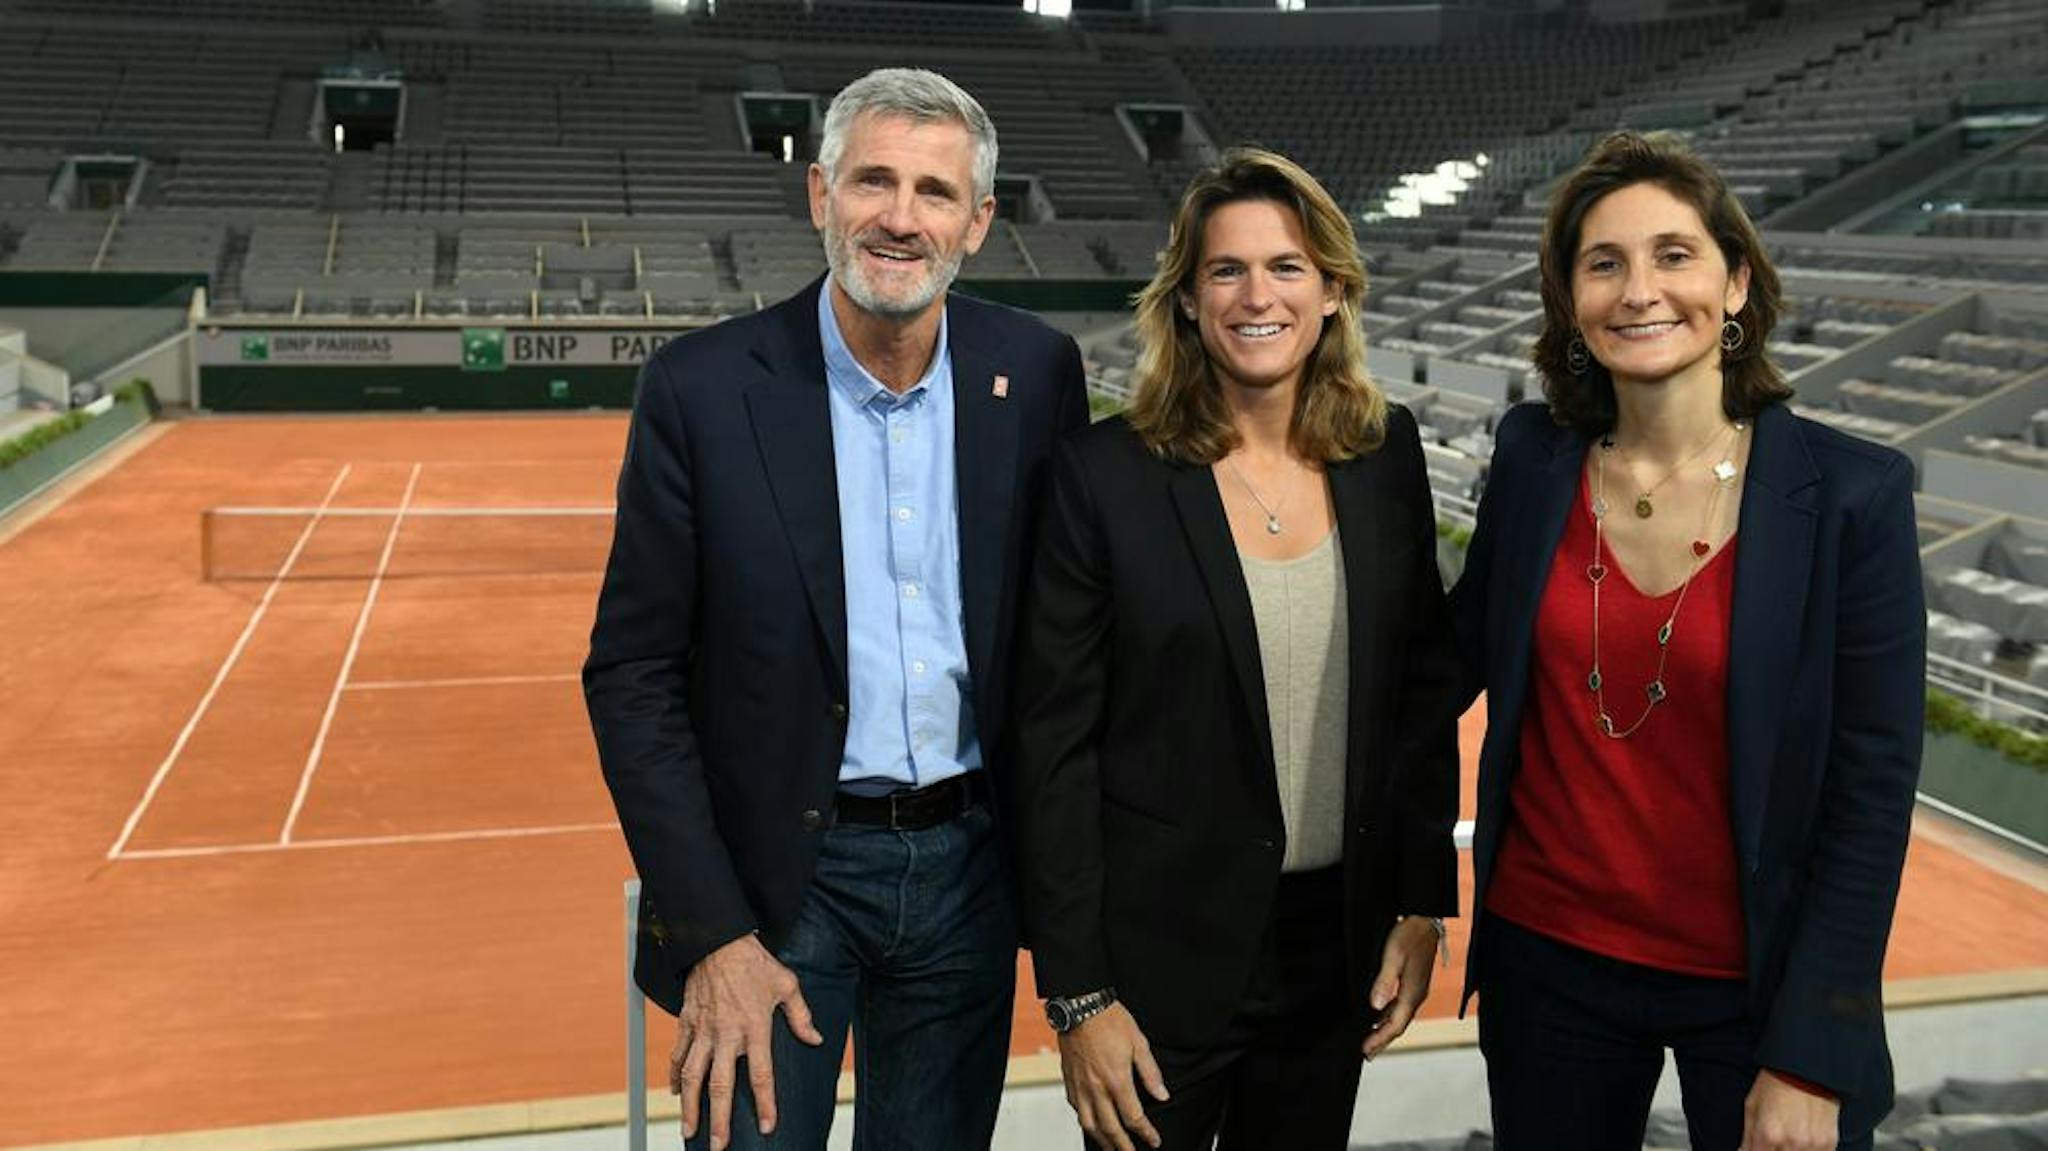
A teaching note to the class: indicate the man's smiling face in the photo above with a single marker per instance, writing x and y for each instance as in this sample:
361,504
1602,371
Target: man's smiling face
899,212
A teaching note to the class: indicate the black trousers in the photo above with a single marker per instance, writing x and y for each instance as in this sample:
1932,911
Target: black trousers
1574,1045
1285,1072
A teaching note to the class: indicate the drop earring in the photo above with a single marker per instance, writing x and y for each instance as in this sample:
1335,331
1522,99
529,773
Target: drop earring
1732,336
1576,357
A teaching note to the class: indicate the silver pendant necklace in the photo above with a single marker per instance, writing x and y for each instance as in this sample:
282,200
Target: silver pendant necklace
1273,525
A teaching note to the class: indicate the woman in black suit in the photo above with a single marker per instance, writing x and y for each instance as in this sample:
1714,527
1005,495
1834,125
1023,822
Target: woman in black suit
1702,742
1237,756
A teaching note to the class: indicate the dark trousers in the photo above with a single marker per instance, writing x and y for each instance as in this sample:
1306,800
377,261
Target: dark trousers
908,938
1574,1045
1285,1072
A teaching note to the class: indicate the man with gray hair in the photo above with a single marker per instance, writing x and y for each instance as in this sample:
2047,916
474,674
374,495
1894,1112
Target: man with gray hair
798,676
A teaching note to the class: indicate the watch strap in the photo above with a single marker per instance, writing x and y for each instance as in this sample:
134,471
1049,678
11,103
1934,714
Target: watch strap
1078,1009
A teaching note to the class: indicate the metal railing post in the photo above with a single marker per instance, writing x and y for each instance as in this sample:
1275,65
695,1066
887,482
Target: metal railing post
636,1030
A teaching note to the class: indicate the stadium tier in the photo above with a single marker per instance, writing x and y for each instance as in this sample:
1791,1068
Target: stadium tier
548,162
635,110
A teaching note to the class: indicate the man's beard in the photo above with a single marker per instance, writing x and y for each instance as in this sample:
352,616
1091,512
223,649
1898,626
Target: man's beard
843,256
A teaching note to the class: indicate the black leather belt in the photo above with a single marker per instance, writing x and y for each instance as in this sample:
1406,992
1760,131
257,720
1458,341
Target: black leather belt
913,810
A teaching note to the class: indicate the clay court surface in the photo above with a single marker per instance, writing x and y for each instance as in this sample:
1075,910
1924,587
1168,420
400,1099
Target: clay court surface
336,845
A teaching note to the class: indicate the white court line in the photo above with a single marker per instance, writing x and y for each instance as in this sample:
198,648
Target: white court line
348,661
420,511
487,833
475,681
227,665
532,462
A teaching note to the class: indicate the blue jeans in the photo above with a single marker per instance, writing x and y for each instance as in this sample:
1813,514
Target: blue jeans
908,938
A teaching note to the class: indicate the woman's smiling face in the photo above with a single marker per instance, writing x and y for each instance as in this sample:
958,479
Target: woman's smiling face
1258,298
1650,288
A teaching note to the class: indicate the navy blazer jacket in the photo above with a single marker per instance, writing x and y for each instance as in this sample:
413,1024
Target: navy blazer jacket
1826,697
716,681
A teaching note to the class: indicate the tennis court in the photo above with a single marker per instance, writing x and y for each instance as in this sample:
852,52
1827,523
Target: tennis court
325,844
325,836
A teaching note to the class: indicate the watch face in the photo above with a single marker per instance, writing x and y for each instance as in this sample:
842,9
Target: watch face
1057,1016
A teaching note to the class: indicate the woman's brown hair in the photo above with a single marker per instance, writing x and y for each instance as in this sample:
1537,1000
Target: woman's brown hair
1177,408
1584,400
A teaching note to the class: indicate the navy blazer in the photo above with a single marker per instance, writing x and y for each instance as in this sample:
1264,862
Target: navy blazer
717,675
1826,697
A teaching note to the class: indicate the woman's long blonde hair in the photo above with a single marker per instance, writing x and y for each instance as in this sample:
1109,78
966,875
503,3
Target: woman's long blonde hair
1178,408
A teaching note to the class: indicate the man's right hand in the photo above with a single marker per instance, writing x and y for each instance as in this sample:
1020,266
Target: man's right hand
729,1002
1102,1060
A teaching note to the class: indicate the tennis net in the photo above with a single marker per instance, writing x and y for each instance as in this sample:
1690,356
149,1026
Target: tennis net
307,543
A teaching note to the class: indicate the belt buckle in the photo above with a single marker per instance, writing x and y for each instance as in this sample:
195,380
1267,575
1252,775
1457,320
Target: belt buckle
911,810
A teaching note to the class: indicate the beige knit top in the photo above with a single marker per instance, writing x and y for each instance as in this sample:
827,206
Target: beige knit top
1298,607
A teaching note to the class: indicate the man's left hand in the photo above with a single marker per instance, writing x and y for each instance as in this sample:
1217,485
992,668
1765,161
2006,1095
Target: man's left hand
1403,981
1780,1117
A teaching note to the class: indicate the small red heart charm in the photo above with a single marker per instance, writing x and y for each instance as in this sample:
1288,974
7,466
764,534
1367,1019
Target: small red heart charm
1596,572
1699,548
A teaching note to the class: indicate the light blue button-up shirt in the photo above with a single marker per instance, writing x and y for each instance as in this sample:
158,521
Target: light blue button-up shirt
911,711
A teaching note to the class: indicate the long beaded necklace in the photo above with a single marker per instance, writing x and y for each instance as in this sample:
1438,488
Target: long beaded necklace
1596,573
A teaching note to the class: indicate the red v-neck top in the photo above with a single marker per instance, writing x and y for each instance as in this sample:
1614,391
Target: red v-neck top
1624,847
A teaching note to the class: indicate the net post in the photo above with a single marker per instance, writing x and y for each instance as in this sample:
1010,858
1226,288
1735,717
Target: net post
636,1030
206,545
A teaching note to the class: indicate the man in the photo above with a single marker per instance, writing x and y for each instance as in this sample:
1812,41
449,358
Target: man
798,673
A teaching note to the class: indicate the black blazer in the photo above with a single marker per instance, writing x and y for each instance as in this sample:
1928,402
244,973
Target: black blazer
1144,792
1826,694
716,681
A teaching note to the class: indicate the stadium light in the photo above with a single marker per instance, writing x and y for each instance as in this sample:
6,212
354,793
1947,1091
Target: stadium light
1437,188
1056,9
1291,5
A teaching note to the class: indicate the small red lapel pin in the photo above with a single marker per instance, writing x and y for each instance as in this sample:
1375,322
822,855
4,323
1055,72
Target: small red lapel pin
1001,388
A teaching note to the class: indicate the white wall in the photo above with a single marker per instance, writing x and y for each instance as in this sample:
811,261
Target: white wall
80,338
168,367
10,380
45,381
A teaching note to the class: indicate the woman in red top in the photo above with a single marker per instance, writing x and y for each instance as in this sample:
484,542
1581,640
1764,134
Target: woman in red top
1699,623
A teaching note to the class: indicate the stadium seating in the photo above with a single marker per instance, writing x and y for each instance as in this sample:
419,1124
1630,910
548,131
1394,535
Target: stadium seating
587,159
823,22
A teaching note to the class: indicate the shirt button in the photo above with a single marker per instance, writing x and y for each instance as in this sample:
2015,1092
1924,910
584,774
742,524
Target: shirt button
839,712
917,665
813,819
909,591
902,513
896,437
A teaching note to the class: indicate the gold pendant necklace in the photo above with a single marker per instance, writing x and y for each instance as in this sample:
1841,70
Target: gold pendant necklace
1724,471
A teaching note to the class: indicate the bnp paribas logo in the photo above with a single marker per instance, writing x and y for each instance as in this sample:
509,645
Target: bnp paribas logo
256,348
483,349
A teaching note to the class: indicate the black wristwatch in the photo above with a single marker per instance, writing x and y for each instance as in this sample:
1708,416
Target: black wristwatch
1063,1013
